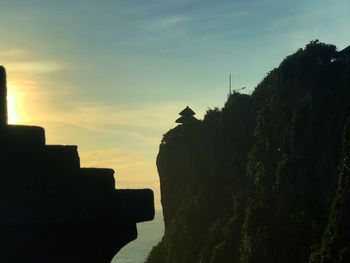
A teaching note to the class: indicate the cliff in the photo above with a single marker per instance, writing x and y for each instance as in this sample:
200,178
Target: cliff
52,210
265,178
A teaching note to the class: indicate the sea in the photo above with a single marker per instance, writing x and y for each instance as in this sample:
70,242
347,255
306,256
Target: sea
149,235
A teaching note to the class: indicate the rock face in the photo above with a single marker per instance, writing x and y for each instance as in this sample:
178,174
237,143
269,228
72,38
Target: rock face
52,210
266,178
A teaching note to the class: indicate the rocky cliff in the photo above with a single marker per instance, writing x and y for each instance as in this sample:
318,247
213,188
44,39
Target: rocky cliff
265,178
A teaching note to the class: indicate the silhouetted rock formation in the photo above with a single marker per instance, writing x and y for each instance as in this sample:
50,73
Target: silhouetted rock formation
267,177
54,211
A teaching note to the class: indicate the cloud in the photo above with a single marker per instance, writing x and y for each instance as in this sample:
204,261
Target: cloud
144,124
169,22
115,157
35,66
24,61
15,54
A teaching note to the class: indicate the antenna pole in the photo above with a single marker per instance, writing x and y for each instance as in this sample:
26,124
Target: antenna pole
230,85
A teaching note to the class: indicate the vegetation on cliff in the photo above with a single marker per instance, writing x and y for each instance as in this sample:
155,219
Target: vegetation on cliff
265,178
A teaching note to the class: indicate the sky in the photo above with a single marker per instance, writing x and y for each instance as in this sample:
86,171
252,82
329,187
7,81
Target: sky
111,76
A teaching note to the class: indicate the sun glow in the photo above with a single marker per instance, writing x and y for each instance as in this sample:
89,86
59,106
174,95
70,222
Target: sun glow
13,117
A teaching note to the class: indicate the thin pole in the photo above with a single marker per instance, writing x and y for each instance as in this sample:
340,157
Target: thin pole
230,86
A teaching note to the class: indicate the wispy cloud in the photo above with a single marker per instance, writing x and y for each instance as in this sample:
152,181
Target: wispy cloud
115,157
145,124
169,22
23,61
15,54
35,66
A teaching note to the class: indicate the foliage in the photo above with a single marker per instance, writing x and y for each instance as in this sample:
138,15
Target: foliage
259,180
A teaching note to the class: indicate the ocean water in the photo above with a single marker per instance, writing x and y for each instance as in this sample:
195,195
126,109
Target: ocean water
149,234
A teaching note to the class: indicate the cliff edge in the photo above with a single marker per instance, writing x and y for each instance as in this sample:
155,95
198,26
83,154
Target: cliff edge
265,178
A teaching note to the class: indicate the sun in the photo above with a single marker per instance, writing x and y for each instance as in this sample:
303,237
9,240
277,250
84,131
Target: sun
13,116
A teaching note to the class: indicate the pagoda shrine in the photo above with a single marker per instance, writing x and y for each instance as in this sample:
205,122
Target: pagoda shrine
187,116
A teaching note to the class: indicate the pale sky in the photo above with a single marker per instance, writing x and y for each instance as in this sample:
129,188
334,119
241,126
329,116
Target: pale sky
111,76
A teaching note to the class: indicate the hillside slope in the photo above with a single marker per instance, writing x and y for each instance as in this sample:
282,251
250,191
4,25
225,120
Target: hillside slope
265,179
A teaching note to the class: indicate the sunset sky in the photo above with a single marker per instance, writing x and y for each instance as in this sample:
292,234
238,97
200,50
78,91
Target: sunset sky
111,76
